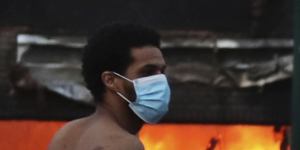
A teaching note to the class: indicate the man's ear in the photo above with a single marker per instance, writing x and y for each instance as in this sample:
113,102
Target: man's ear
109,80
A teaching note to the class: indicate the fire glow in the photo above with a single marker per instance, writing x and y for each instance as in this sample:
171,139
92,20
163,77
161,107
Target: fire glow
213,137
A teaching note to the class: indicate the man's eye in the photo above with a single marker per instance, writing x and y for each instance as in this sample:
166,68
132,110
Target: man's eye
147,74
152,72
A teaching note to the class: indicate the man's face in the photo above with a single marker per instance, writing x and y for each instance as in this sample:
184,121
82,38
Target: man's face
147,61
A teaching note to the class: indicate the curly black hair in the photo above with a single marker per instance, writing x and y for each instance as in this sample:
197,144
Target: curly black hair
110,50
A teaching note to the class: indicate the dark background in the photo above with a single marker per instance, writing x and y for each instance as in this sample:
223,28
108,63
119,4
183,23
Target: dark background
251,18
200,102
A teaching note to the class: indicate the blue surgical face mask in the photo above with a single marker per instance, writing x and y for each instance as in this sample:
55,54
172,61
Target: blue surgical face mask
152,97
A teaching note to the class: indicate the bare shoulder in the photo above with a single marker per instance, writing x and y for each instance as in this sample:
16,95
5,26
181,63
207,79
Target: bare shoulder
136,143
122,143
84,134
62,140
109,139
129,142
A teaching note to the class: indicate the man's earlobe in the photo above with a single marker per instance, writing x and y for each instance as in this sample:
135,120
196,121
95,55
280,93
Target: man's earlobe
108,80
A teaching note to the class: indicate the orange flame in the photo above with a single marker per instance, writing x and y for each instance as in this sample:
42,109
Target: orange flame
200,137
28,135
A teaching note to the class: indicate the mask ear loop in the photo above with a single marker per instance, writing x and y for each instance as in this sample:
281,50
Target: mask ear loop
121,95
122,77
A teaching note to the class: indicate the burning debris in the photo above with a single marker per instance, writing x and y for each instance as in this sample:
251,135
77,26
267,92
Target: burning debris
213,137
213,143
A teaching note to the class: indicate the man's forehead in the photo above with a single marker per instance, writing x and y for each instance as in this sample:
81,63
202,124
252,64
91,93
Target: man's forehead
146,57
147,54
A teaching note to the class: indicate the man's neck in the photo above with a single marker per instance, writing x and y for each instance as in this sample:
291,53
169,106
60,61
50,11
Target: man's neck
119,112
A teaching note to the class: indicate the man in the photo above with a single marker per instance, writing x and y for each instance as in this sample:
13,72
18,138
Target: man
123,68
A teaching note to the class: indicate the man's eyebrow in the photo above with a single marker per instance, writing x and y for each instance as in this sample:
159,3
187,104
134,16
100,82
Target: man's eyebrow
161,66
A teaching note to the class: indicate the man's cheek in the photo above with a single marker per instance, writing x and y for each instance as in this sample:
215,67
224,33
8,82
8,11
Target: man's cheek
131,92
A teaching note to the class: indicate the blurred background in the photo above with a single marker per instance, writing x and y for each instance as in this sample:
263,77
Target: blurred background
230,66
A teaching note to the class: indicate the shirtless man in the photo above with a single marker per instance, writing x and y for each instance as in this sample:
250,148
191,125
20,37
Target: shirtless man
123,68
